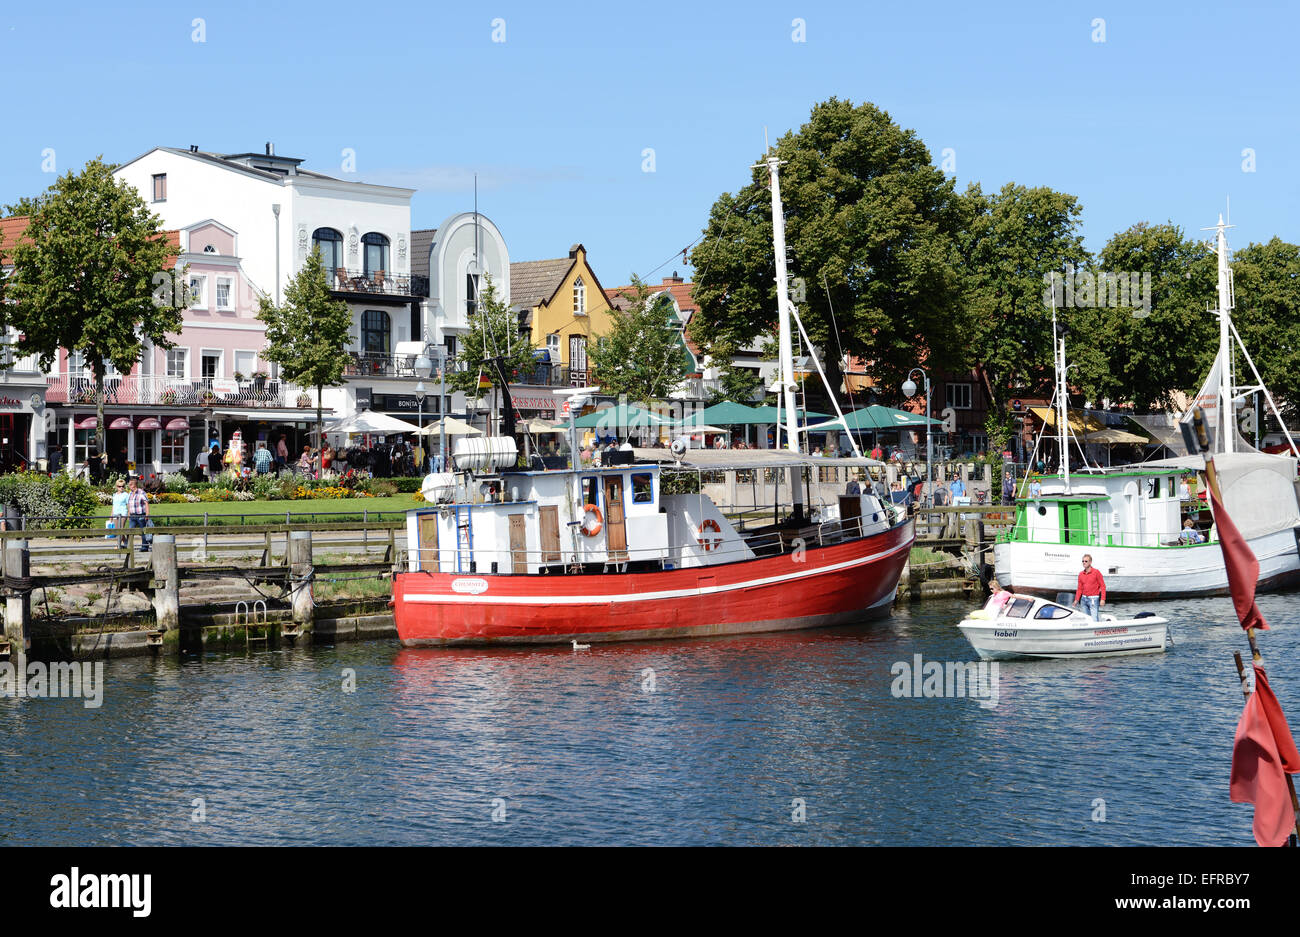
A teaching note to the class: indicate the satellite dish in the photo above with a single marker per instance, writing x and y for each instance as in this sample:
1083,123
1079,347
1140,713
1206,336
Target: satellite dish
678,448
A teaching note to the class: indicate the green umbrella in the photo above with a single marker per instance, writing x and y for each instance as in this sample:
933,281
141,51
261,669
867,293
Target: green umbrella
777,415
726,413
621,417
877,418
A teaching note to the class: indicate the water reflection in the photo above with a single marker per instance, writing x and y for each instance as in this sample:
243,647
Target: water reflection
577,750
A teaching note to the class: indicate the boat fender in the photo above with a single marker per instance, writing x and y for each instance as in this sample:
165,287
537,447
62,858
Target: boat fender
710,543
591,509
1145,615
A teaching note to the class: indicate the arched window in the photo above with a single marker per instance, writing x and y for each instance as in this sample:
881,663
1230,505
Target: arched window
330,243
579,297
375,332
376,246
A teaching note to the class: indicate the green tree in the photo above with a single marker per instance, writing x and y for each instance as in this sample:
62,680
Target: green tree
642,356
1016,238
307,334
493,332
1137,355
89,277
1266,280
734,383
27,205
873,228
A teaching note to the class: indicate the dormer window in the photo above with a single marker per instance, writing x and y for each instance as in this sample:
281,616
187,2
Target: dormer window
579,297
209,249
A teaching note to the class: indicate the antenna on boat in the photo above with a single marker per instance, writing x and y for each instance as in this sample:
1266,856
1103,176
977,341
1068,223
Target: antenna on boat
1062,402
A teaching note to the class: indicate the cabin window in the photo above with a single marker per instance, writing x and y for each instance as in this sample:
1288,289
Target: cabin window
591,491
1053,611
1153,487
1019,608
1172,490
643,489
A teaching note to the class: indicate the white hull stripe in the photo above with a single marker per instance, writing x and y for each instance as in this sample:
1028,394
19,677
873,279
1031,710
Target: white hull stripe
648,596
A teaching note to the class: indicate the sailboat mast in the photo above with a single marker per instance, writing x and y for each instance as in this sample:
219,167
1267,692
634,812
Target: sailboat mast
1227,414
783,307
1062,402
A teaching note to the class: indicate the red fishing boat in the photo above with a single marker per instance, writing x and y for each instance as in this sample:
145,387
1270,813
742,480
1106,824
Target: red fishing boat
639,564
607,554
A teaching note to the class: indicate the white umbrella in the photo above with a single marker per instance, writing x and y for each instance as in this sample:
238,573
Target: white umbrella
454,427
370,422
538,427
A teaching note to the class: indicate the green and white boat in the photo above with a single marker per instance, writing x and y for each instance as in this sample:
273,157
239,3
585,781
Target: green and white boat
1129,518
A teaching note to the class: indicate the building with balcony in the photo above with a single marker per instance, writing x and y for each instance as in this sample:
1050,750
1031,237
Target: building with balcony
563,310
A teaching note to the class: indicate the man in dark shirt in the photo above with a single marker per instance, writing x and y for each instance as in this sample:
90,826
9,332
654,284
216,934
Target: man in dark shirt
1091,592
214,461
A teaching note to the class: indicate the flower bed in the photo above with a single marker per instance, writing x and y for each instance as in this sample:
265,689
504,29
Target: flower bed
302,493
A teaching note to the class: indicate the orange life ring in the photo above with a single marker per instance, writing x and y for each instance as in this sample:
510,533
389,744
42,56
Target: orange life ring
600,520
710,543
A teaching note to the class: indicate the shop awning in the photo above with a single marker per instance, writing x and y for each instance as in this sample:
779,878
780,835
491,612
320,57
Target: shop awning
303,415
149,423
87,422
1079,422
177,425
120,422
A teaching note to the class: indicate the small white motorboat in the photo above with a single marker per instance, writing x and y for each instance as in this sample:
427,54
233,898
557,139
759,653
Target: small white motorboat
1028,626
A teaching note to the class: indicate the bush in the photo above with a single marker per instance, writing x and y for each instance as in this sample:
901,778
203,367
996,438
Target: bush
61,501
176,482
405,486
217,494
382,489
268,487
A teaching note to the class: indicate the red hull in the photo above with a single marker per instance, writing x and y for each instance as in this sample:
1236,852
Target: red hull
823,586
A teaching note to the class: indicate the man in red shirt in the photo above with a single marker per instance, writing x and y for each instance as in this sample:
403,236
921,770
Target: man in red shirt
1091,593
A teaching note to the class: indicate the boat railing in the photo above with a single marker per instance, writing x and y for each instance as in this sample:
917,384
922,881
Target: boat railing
1109,538
504,560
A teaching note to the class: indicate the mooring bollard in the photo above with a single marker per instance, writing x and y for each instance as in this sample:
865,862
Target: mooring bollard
18,602
300,579
167,583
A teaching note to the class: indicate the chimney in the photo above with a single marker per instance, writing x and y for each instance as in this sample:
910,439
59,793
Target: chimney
193,148
672,280
270,149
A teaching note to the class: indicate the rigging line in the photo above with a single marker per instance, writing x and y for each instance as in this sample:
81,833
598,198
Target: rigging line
848,386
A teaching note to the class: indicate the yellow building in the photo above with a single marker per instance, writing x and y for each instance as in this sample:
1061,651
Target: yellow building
562,307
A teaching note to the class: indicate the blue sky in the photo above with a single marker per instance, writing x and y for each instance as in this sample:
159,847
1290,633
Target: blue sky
1148,125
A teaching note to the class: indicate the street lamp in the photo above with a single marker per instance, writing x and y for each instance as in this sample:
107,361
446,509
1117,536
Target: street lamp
909,390
419,396
423,368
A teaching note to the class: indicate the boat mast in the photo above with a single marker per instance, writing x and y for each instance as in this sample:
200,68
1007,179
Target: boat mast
1062,408
1227,414
783,307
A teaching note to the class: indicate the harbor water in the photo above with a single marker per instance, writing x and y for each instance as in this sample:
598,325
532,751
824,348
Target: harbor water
803,738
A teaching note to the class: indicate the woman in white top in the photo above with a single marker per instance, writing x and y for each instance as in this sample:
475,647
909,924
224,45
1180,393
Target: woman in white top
119,510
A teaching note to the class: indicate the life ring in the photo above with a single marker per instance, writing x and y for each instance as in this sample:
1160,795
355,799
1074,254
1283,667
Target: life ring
710,543
600,520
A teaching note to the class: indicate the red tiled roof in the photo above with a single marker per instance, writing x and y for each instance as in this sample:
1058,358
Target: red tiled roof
13,228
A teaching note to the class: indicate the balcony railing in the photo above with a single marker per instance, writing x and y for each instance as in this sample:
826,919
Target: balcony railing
552,375
373,283
169,392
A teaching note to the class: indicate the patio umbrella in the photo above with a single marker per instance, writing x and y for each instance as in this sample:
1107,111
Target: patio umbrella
538,427
453,426
369,421
877,417
621,417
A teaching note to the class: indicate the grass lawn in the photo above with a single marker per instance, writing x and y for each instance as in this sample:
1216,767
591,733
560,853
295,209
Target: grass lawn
351,507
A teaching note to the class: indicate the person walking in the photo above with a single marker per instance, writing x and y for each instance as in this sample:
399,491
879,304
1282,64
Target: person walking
137,508
214,461
119,512
281,454
1091,592
262,459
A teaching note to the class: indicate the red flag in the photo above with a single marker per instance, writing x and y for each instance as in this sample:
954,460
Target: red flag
1243,568
1263,753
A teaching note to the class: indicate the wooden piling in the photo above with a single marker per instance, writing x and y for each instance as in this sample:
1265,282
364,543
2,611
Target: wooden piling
300,578
18,602
167,583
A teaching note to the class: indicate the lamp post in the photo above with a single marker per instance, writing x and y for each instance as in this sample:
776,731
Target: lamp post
909,390
423,368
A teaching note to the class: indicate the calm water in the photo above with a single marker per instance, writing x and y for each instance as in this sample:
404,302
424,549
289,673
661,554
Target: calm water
735,730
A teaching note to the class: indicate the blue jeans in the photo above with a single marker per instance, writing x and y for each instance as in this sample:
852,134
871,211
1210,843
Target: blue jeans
1091,604
142,521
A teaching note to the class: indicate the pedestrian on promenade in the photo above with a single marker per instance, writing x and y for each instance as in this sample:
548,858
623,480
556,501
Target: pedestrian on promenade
281,454
262,459
137,507
1091,592
119,512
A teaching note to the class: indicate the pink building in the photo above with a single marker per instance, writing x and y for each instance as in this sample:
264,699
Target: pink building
175,401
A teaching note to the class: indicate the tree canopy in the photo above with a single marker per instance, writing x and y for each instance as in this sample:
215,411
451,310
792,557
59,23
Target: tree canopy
307,334
493,332
873,228
89,276
642,355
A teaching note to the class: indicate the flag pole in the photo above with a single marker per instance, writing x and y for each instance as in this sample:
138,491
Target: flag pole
1212,480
